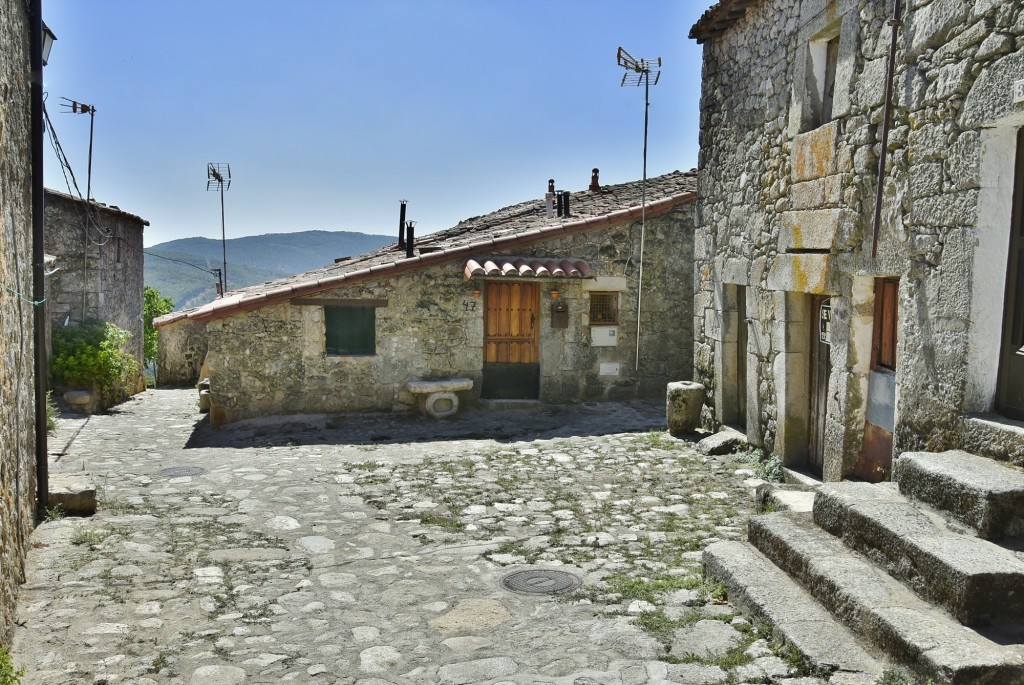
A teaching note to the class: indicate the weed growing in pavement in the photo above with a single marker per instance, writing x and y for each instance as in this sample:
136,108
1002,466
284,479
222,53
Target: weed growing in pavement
662,628
89,536
448,523
54,513
9,675
892,676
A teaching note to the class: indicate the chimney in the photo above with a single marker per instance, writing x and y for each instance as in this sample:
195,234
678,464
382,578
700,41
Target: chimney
558,196
550,198
409,238
565,202
595,184
401,225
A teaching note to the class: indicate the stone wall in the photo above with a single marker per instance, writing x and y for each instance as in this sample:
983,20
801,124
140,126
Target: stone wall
99,261
272,360
181,350
785,212
17,441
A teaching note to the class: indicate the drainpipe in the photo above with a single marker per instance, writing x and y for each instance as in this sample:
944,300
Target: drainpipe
38,284
890,76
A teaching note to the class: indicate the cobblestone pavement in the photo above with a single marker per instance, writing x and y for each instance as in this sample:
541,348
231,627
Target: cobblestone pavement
370,550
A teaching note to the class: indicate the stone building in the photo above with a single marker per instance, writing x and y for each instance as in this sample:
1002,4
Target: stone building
833,358
17,432
99,260
180,352
523,305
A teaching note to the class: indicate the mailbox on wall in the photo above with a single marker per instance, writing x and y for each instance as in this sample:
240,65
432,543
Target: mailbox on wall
559,315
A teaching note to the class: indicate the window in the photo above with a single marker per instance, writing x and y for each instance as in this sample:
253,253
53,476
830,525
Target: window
883,350
604,309
350,330
821,77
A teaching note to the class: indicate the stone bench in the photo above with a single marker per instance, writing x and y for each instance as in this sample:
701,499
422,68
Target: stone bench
438,398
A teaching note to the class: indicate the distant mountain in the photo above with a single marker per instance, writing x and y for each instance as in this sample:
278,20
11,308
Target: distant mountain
251,260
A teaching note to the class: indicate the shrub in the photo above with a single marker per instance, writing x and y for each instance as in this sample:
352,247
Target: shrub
154,305
9,675
92,356
52,413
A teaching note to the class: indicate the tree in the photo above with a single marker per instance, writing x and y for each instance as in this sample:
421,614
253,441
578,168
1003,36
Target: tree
153,306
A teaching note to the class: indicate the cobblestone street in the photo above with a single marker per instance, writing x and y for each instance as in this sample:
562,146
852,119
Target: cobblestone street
370,549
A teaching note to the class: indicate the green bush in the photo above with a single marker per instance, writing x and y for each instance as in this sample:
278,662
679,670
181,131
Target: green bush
52,412
92,356
8,674
154,305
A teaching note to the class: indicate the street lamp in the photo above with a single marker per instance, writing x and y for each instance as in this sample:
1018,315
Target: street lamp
218,177
48,39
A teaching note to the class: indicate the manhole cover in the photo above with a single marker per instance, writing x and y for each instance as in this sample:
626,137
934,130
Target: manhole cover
179,471
541,582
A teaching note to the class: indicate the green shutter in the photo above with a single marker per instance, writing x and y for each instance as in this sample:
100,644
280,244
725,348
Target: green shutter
351,330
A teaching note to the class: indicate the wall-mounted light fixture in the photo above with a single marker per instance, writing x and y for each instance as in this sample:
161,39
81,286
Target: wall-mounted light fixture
554,293
476,293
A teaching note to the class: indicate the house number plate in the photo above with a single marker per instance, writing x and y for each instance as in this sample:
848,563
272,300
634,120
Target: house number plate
1018,91
825,324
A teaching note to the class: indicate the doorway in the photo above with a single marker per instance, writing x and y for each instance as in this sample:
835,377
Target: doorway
821,369
1010,388
511,342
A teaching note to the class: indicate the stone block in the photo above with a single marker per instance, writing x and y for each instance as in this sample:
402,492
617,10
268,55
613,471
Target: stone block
812,229
980,492
74,493
725,441
683,402
814,153
807,195
803,273
82,401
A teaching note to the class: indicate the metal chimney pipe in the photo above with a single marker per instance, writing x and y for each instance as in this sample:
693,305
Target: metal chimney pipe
565,202
559,194
409,238
401,225
595,182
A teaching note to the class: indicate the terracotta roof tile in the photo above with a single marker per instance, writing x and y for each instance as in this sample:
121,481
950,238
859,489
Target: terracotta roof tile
522,222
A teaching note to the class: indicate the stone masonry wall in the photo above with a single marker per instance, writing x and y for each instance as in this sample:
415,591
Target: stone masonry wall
100,264
181,350
787,208
17,433
272,361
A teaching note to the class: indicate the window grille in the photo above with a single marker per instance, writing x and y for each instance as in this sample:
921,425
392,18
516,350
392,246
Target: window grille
604,308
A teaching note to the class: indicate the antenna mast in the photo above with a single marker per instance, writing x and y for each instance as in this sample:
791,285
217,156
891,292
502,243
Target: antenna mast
218,177
640,71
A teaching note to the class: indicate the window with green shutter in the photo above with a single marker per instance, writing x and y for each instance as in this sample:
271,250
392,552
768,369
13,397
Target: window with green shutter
351,330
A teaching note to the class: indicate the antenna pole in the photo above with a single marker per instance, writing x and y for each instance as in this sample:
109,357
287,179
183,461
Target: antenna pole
643,215
642,74
223,238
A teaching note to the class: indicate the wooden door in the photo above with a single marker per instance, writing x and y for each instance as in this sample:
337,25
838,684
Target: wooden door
1010,389
821,369
741,356
511,340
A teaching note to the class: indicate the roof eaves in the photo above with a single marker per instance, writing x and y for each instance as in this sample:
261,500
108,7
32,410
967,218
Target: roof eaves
718,18
229,306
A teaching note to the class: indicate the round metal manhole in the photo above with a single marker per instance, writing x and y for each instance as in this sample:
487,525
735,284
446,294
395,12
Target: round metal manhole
541,582
180,471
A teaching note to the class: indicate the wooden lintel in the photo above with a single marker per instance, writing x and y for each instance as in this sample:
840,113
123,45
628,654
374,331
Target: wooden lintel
338,302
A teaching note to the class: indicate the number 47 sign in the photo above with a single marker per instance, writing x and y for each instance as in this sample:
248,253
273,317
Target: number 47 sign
1018,91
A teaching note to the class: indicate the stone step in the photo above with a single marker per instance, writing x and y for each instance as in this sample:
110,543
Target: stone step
980,492
881,609
976,580
772,598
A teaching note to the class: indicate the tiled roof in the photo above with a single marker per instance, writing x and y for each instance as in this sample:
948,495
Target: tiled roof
521,223
718,18
527,267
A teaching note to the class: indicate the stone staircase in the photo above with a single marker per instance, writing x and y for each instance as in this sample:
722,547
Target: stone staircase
929,576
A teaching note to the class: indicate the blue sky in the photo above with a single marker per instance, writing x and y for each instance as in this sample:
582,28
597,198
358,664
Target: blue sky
330,112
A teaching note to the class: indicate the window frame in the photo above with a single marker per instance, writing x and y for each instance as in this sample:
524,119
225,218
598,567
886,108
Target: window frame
885,332
332,315
611,299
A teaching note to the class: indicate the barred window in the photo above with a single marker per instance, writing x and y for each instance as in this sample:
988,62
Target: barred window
604,308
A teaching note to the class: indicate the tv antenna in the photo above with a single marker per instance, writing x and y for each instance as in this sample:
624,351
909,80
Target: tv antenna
640,71
218,177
